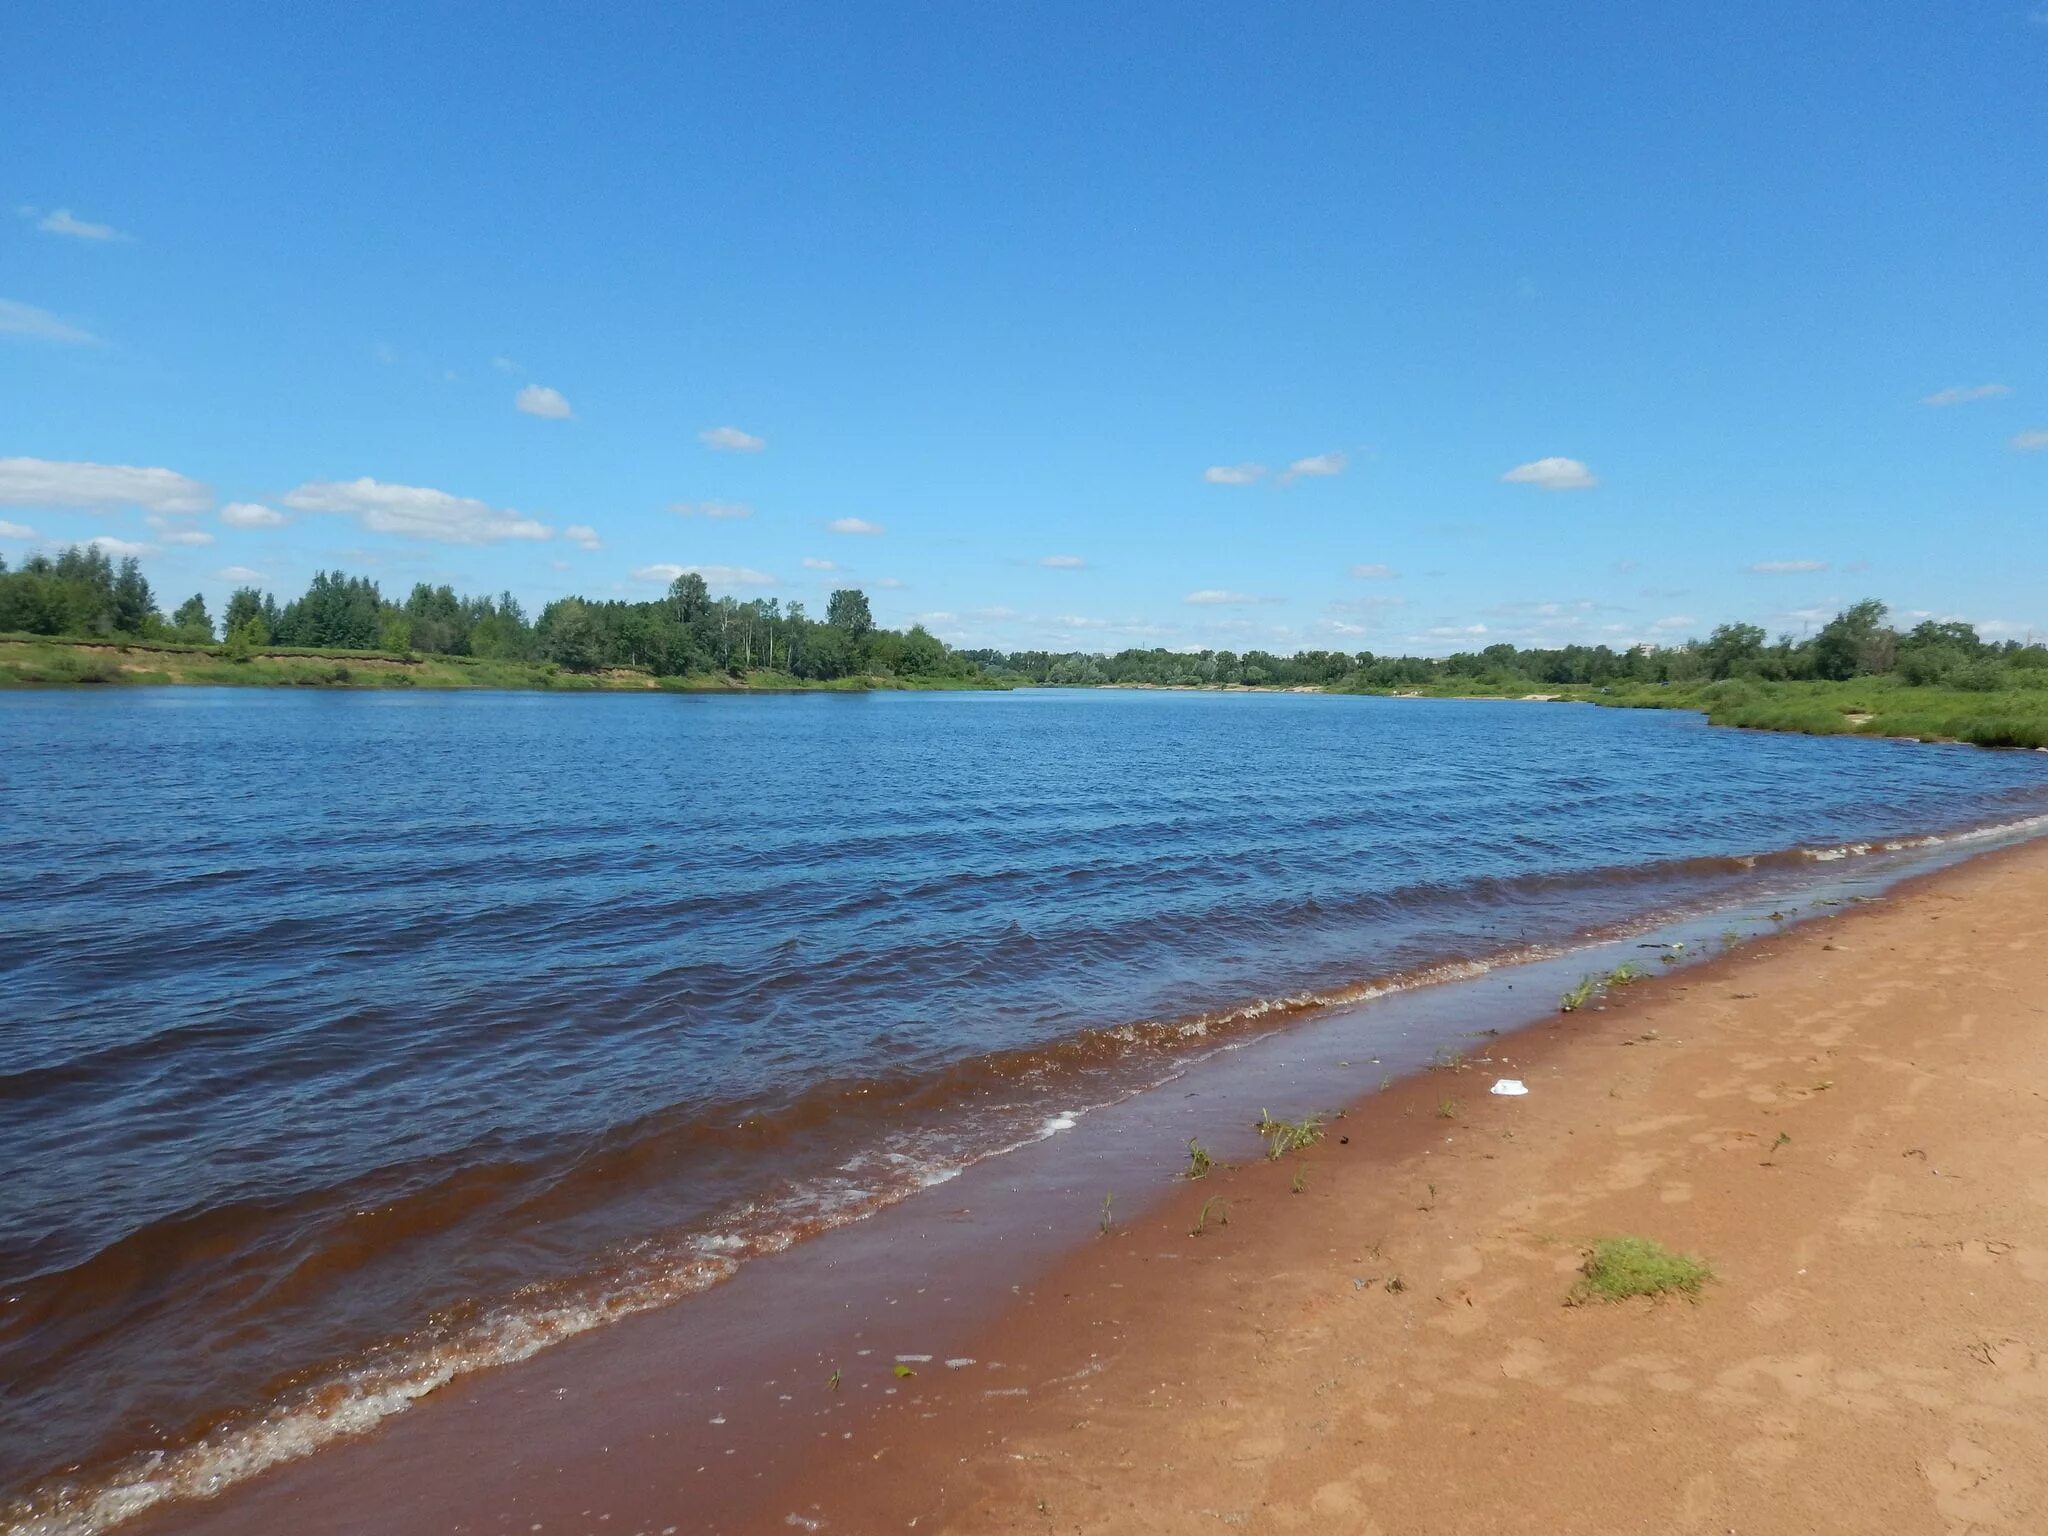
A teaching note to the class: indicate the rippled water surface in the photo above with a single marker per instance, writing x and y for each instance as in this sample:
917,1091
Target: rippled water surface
351,1041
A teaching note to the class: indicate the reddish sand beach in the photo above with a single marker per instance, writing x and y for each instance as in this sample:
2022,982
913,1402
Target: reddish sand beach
1850,1121
1847,1119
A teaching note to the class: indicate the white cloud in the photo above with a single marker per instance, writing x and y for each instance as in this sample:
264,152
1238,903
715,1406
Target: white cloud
123,547
890,584
714,575
176,533
1553,474
17,319
2032,441
1063,563
1374,572
63,221
1963,394
1233,474
710,509
15,530
1339,627
853,525
415,511
811,564
1217,597
251,514
1676,621
239,573
1787,567
539,400
583,536
731,440
1456,631
56,483
1316,464
1370,604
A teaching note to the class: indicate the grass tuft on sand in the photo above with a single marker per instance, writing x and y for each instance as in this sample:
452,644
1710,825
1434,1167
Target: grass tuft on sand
1617,1268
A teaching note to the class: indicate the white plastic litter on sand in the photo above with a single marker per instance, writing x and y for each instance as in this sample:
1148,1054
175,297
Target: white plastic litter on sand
1509,1087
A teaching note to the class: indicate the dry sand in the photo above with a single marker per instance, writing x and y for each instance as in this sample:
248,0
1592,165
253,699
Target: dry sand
1873,1355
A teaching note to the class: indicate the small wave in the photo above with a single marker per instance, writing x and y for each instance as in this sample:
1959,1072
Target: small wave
356,1397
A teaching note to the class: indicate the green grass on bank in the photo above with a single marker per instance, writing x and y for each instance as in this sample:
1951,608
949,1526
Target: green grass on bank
2011,716
36,661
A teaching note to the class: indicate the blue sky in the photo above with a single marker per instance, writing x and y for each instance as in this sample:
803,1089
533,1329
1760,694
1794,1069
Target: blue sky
1396,327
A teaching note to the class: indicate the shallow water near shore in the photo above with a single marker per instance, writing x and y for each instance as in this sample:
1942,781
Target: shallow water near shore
361,1041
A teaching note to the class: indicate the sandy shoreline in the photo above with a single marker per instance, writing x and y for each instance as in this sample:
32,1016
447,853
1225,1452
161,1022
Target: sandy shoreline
1265,1376
1873,1355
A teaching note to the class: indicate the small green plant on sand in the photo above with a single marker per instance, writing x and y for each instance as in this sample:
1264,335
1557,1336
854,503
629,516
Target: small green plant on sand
1447,1110
1213,1206
832,1381
1108,1218
1446,1059
1396,1285
1284,1136
1617,1268
1199,1160
1771,1157
1300,1183
1625,973
1584,993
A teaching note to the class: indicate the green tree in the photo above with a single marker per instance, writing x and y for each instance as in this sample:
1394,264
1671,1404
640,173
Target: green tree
1854,643
245,616
192,621
847,609
133,607
1734,649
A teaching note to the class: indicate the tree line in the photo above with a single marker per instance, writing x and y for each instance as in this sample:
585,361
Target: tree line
1858,642
83,592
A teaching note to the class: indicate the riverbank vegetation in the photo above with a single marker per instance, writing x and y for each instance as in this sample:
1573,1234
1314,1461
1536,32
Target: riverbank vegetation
81,617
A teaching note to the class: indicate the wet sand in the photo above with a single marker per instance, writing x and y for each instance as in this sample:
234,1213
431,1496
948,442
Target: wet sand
1386,1350
1850,1120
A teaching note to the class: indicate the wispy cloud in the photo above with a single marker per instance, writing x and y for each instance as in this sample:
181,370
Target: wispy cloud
720,509
15,530
1787,567
251,514
62,221
415,511
811,563
539,400
1063,562
731,440
2031,441
168,532
18,319
1233,474
1315,465
1374,572
122,548
1219,597
506,365
891,584
714,575
59,483
1553,474
853,525
1963,394
240,574
583,536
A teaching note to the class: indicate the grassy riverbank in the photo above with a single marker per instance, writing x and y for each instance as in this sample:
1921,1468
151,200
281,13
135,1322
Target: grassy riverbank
1868,706
36,661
